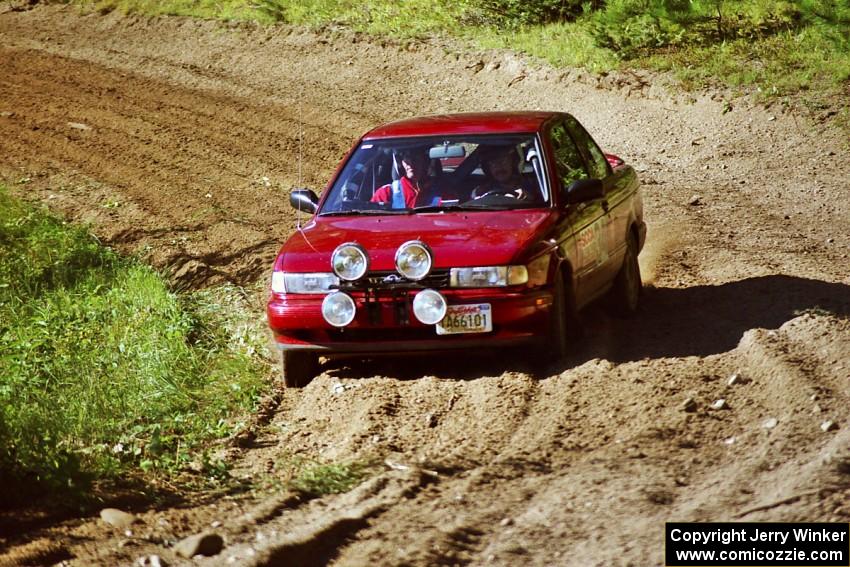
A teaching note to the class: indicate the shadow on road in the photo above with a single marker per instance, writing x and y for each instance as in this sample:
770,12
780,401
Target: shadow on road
710,319
672,322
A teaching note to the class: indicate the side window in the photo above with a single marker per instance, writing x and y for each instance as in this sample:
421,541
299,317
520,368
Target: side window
567,157
599,167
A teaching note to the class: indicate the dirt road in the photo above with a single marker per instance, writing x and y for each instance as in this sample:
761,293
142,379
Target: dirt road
179,139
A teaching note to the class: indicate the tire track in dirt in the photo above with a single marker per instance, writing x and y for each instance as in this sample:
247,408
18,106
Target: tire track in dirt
796,375
137,140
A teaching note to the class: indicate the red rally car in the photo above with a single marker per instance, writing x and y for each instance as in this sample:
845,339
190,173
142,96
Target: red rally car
457,231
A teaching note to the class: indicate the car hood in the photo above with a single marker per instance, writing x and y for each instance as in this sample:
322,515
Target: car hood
481,238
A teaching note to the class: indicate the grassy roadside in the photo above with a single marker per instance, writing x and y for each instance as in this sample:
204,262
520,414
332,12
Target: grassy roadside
777,49
104,371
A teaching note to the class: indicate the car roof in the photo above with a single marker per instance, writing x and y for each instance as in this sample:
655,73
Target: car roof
467,123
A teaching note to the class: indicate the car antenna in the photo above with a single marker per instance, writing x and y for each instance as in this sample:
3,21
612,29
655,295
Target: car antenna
300,153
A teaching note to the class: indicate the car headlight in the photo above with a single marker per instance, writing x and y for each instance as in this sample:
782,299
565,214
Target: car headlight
488,276
338,309
429,306
413,260
350,261
285,282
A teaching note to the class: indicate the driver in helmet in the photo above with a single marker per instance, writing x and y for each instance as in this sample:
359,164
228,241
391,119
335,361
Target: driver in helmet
501,166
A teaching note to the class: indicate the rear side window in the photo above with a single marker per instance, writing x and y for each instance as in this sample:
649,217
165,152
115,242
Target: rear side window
599,166
567,156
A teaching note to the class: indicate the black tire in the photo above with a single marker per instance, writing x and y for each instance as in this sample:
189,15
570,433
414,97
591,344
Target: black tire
298,368
625,295
564,325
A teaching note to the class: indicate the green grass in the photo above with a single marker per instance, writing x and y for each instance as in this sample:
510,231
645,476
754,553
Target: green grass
312,478
560,44
774,48
318,480
103,369
785,64
210,9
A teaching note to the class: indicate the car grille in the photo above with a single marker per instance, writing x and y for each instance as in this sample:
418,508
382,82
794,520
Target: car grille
392,280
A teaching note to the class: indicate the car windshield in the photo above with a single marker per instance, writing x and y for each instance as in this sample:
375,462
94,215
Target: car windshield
436,174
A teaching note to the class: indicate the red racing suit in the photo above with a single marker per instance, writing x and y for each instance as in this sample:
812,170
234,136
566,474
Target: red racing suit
404,194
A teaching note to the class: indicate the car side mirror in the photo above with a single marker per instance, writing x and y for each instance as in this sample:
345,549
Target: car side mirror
584,190
304,200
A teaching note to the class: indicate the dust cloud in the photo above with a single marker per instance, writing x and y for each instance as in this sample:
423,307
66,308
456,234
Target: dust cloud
662,237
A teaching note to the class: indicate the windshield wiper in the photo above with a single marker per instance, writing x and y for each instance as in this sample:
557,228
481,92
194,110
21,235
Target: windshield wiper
494,206
354,212
438,208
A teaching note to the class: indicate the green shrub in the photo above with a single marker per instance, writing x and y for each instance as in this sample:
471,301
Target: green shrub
634,26
629,26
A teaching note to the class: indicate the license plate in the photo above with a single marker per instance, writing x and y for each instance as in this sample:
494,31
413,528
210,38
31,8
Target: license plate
475,318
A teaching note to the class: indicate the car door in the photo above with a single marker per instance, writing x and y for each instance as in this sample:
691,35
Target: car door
616,212
617,188
587,220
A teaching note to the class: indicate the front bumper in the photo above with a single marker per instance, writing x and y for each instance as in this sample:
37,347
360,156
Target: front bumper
385,323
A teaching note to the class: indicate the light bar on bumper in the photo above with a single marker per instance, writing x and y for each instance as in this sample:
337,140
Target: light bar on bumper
350,261
429,306
414,260
338,309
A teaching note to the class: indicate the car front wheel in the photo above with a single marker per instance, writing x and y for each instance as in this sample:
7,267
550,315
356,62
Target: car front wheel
564,324
298,368
625,294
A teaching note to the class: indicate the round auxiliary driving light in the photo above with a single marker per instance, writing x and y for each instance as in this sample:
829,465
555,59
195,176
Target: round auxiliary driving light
413,260
349,261
429,306
338,309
